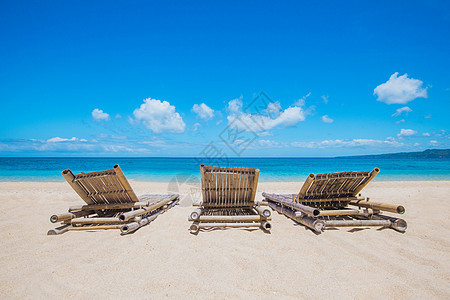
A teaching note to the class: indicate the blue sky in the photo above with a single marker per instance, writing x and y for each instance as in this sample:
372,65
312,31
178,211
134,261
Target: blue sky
136,78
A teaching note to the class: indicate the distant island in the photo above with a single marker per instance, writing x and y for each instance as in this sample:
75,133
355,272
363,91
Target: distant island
430,153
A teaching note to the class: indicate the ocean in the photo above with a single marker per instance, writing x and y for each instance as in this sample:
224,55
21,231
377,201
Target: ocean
164,169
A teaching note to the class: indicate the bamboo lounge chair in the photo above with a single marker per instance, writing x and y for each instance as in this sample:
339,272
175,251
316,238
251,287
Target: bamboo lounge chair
333,200
229,200
110,203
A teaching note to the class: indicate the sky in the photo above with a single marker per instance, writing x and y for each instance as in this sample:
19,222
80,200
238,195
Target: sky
223,78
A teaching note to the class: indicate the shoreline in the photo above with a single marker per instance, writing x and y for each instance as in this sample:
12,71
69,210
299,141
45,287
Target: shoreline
259,182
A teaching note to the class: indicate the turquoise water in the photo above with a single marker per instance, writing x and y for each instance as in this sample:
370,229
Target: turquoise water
272,169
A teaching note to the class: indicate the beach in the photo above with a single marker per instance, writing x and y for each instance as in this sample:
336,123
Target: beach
164,260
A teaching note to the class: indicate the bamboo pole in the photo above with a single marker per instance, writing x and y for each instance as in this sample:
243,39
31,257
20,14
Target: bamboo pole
266,225
263,211
99,227
368,179
305,187
58,230
356,223
196,213
234,225
70,178
250,218
264,202
131,214
83,221
194,228
380,206
203,181
310,211
109,206
128,228
314,224
138,212
346,212
396,223
138,205
69,216
332,199
123,180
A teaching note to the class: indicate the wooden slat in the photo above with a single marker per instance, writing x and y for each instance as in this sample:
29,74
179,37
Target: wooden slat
369,178
207,191
202,179
334,189
355,185
247,178
113,196
319,187
215,180
255,185
221,186
349,183
229,187
89,188
244,185
96,185
236,185
103,187
241,184
212,186
123,180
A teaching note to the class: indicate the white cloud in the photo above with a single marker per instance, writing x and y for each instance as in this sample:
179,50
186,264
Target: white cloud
268,144
346,143
196,126
103,144
99,115
273,109
428,117
400,121
265,133
406,132
235,105
301,102
426,134
434,143
159,116
327,119
400,90
442,132
56,144
118,116
399,111
203,111
325,99
288,118
260,122
57,139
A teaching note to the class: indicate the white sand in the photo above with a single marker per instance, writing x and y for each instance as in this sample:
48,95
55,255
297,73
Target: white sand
163,259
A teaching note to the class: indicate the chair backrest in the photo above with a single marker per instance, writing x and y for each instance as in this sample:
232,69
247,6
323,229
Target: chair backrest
102,187
334,185
228,187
